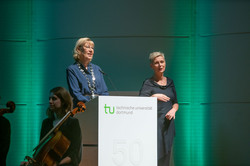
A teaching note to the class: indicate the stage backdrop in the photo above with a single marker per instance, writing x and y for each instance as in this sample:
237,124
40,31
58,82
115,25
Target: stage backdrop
206,44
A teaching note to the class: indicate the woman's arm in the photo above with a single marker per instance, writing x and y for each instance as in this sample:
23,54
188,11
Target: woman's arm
75,149
171,113
161,97
74,88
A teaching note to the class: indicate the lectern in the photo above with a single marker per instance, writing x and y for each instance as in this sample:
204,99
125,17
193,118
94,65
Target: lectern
119,131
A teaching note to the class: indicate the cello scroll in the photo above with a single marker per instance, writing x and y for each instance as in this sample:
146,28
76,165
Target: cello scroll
10,108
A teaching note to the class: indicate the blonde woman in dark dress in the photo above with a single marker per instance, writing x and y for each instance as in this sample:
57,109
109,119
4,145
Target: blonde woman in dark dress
163,88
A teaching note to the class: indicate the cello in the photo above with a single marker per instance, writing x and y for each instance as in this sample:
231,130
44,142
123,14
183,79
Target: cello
54,144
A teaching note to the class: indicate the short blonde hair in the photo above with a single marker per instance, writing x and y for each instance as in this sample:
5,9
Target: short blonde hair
79,43
153,55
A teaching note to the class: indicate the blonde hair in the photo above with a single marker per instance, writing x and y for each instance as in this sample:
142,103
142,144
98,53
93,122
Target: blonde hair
153,55
79,43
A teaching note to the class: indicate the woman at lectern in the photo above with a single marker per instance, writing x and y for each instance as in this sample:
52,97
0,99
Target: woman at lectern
85,79
163,88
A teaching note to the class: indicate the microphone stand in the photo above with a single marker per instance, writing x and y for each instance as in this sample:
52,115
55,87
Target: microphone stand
112,84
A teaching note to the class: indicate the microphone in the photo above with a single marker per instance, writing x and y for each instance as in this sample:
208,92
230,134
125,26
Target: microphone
102,72
108,79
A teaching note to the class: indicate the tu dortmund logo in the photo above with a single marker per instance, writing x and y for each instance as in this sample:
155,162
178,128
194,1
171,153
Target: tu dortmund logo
108,109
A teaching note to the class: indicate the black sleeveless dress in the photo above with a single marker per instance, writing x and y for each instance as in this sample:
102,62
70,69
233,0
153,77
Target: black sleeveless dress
165,127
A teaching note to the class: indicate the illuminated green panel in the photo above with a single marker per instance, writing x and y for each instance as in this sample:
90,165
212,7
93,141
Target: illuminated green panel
23,63
17,34
191,73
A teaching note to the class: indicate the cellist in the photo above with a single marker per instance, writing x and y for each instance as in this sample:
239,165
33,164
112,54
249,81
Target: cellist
60,102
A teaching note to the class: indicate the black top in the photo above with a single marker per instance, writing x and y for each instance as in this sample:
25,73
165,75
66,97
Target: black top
4,139
70,129
166,128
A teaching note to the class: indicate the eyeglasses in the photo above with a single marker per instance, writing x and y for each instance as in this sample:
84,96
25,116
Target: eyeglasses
87,46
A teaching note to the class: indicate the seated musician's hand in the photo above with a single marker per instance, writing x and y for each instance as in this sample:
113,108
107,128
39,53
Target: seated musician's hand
24,163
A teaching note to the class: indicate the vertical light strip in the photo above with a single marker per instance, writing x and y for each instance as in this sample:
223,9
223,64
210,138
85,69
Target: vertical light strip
199,88
192,73
37,71
23,87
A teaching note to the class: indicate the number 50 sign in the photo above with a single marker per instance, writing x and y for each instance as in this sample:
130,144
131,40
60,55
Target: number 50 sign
127,152
128,136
